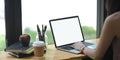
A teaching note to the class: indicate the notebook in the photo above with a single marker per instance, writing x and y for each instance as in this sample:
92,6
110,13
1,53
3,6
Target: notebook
18,48
66,31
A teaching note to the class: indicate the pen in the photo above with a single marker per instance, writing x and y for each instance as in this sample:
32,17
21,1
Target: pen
44,29
39,32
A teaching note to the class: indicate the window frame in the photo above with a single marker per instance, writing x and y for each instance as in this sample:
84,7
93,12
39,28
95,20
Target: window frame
101,15
12,21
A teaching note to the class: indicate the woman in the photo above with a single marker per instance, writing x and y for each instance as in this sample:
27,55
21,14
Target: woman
110,36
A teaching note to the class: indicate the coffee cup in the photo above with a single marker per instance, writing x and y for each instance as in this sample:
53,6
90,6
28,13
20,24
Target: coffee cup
38,48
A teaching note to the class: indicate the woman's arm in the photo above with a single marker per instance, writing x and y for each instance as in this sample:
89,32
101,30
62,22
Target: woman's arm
105,40
107,35
110,31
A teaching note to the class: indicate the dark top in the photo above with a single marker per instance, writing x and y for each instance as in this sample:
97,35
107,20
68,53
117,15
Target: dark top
113,52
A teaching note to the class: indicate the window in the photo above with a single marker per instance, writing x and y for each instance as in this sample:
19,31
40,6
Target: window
13,18
2,26
41,11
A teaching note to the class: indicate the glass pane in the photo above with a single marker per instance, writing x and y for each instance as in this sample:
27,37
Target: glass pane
2,26
41,11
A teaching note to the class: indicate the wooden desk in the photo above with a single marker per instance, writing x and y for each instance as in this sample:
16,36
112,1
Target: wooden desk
51,54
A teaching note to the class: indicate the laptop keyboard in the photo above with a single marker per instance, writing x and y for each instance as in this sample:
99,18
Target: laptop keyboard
87,43
67,47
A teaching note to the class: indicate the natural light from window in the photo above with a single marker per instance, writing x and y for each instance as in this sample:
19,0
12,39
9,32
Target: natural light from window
2,26
41,11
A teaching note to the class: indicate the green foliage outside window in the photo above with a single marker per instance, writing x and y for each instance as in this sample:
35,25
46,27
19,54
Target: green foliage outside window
89,33
31,33
2,42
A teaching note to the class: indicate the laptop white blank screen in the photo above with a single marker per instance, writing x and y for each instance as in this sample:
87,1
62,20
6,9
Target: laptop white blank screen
66,31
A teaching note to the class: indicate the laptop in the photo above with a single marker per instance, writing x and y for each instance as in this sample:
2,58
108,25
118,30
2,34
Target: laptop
66,31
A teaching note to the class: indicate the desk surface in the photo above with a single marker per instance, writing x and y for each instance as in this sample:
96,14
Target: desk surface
51,54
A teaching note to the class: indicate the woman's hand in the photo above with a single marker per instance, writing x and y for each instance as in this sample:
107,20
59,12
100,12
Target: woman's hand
78,45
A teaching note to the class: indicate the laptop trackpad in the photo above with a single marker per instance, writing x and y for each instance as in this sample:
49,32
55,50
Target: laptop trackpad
75,51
